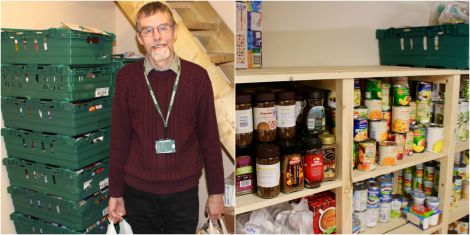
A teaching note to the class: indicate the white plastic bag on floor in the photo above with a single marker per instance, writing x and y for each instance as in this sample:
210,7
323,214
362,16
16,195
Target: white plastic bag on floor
209,227
124,228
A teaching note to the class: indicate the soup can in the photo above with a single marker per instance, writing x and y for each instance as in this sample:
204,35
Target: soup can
360,129
400,119
419,138
429,173
388,153
423,111
360,112
408,144
378,130
428,187
434,138
374,109
366,155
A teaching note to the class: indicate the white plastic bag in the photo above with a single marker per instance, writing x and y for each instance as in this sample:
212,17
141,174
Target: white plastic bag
208,227
451,12
124,228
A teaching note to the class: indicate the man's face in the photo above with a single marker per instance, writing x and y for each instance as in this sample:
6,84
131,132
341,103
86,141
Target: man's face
159,45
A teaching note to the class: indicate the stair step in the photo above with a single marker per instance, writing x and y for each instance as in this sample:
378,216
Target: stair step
198,26
180,4
220,57
228,69
203,33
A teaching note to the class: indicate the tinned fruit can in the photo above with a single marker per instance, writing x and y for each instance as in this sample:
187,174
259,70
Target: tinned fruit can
423,111
427,187
366,155
429,173
434,138
386,96
357,93
388,153
412,112
408,144
401,95
438,112
374,109
463,111
423,91
400,139
419,138
419,170
400,119
360,112
378,130
387,116
373,89
360,129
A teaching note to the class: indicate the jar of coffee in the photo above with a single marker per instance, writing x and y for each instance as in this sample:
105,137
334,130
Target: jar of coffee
314,113
329,156
313,162
265,117
268,170
244,120
285,114
244,176
292,175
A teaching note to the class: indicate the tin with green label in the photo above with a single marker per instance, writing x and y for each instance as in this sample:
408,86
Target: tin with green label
419,138
401,95
423,111
373,89
386,96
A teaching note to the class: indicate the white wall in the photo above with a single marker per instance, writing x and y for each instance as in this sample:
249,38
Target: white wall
226,11
332,33
103,15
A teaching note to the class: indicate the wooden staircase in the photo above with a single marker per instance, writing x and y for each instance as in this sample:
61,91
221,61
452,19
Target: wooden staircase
204,39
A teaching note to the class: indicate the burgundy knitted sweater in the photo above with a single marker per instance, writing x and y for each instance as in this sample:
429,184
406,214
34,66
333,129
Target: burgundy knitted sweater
136,125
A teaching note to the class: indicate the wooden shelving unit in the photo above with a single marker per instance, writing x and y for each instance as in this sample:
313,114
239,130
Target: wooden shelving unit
460,147
460,211
341,80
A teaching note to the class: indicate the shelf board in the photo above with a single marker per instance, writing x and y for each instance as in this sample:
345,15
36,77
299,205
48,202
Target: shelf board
410,228
334,72
382,228
252,201
416,158
461,146
460,211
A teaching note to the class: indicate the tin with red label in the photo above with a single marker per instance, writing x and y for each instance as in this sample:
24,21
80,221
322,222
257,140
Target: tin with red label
413,112
408,144
374,109
400,139
387,116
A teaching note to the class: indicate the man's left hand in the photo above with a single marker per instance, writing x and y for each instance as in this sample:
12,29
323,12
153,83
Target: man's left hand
215,206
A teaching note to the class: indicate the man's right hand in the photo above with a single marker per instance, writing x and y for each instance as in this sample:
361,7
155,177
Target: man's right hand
116,209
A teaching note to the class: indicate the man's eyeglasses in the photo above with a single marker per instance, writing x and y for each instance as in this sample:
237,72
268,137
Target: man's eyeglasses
149,30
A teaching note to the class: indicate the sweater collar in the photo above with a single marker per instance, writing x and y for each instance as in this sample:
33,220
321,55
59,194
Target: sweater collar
149,67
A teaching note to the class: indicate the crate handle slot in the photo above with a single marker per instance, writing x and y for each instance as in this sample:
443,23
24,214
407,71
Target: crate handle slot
49,113
40,113
24,142
436,43
53,179
425,43
52,147
402,44
93,40
26,174
411,43
43,146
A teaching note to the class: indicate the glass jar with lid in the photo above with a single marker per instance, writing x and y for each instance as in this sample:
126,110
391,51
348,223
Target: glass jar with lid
244,175
292,175
329,156
285,114
268,169
265,116
313,162
244,120
313,121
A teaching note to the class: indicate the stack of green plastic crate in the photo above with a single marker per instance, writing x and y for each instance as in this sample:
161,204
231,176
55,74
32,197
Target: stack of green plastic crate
57,87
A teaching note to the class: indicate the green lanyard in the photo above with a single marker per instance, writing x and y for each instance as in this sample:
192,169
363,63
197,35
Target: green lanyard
173,93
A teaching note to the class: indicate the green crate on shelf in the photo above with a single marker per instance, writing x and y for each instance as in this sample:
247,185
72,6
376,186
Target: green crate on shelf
55,46
57,82
58,150
77,215
441,46
58,181
59,117
26,224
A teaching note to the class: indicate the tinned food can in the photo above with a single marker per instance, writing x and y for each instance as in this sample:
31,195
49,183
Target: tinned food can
423,91
429,173
388,153
401,95
386,96
434,138
378,130
419,138
373,194
408,144
387,116
374,109
366,155
400,119
373,89
400,139
360,112
423,111
438,112
385,212
360,129
357,93
463,111
427,187
412,112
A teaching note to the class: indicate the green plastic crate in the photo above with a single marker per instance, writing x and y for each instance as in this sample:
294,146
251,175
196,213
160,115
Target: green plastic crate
55,46
26,224
77,215
61,182
58,150
57,82
59,117
442,46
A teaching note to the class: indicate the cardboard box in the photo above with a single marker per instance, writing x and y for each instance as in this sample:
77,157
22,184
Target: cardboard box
254,58
229,219
254,6
241,56
255,21
254,39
